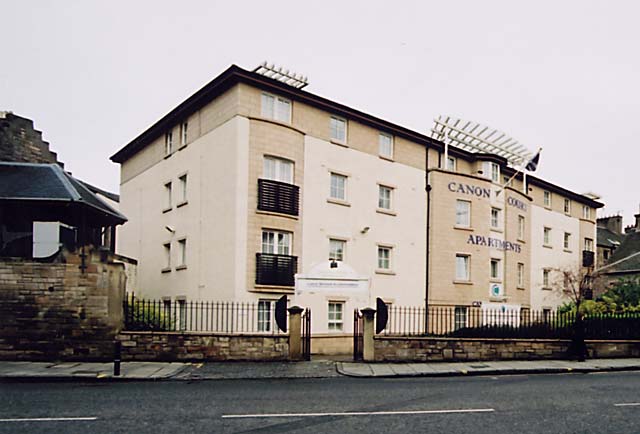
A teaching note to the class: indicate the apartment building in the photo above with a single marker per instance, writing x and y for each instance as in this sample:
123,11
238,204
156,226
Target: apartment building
252,181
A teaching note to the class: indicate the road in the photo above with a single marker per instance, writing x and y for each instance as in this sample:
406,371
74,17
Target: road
568,403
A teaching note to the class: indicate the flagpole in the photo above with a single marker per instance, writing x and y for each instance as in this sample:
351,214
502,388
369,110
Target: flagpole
524,175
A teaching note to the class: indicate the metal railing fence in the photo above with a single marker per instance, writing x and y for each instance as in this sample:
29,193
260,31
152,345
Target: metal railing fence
199,316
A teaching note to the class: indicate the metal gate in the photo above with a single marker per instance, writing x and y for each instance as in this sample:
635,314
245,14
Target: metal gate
358,336
306,334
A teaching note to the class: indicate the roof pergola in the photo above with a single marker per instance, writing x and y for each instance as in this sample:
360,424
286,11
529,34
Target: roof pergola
476,138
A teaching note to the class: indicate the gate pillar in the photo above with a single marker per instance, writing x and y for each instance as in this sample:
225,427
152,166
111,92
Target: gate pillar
368,333
295,333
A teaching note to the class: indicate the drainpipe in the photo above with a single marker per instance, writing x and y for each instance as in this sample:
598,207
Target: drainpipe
426,270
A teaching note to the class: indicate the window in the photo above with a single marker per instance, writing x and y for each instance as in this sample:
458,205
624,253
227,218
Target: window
495,172
586,212
547,236
335,316
547,199
183,188
588,244
495,268
182,251
460,317
183,133
338,129
384,197
520,275
567,206
605,254
338,187
521,227
276,242
545,277
463,213
168,143
384,258
567,240
385,142
495,218
182,309
451,163
277,169
264,315
167,196
546,314
167,256
462,268
336,249
277,108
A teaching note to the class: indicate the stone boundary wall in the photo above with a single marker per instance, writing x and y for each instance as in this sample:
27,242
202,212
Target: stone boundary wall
419,349
194,346
53,311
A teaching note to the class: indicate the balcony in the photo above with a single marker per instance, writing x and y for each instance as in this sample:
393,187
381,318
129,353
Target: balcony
275,270
280,197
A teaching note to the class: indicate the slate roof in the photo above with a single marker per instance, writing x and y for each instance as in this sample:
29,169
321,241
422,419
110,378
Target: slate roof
626,258
608,238
48,183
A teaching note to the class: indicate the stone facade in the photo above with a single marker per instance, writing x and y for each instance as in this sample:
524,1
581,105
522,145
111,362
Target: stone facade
417,349
190,346
20,142
53,311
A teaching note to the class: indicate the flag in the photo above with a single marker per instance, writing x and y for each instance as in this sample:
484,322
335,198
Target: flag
532,165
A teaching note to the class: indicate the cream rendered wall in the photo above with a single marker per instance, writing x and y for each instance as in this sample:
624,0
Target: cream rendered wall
554,257
213,221
404,231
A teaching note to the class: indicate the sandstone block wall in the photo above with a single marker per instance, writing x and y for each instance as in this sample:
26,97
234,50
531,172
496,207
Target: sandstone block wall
417,349
191,346
52,311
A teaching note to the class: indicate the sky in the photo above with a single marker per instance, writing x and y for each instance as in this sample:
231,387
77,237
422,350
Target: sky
561,75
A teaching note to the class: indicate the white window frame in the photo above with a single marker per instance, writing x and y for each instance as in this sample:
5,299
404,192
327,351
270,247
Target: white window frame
278,169
337,249
465,260
588,244
183,180
184,126
276,108
546,196
385,145
265,315
546,274
384,260
546,236
566,241
460,317
451,163
167,256
586,212
335,316
168,143
460,220
334,129
521,227
567,206
495,222
495,269
520,275
168,196
384,202
495,172
334,190
182,252
276,242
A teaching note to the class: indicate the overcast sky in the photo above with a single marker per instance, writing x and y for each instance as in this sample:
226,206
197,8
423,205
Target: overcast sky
562,75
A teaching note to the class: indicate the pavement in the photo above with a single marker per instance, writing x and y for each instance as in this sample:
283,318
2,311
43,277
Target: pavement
317,368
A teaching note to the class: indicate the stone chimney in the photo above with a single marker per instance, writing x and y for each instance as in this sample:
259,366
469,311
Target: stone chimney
613,223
